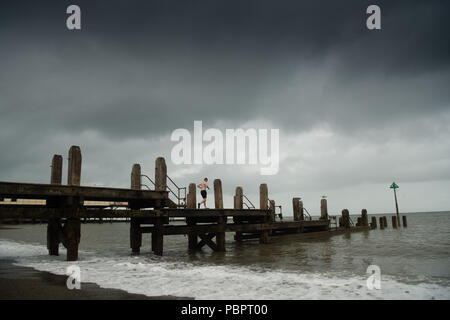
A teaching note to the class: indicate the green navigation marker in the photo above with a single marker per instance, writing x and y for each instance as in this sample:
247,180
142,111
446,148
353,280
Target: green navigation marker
395,186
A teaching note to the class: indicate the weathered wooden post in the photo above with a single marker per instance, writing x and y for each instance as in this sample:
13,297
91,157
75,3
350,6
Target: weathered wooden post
358,221
345,218
54,228
160,174
373,224
405,224
394,222
272,209
323,209
56,175
74,170
158,237
72,227
218,201
239,198
191,203
135,226
296,208
381,223
364,218
263,197
238,204
136,178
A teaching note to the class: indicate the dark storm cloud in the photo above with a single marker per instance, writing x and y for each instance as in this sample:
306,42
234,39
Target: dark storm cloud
142,61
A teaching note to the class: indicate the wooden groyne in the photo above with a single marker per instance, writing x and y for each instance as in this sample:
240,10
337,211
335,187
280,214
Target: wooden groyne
153,211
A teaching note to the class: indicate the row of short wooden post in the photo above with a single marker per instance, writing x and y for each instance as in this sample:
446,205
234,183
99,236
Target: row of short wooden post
363,221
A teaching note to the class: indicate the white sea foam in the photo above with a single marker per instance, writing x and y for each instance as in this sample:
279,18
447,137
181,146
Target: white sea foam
154,276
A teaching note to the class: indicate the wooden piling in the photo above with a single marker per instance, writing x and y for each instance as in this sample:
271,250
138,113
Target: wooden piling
323,209
56,173
405,224
239,198
394,222
364,218
296,208
220,236
238,204
74,168
272,209
373,224
72,232
263,197
158,237
381,223
72,227
135,226
358,221
160,174
136,178
54,228
218,202
301,210
218,198
191,203
345,218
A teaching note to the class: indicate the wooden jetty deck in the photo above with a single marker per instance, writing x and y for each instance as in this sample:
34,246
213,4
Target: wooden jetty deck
152,211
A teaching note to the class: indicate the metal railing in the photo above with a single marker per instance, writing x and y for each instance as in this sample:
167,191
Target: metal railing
251,206
180,194
181,199
307,213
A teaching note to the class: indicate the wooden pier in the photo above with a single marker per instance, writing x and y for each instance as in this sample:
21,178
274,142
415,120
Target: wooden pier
152,211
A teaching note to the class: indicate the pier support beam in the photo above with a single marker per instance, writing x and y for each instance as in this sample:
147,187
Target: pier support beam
72,227
74,169
345,218
405,224
239,198
53,236
394,222
72,230
135,236
218,201
54,228
364,218
297,208
323,209
272,209
381,223
238,204
191,203
218,198
135,226
373,224
136,178
158,237
160,174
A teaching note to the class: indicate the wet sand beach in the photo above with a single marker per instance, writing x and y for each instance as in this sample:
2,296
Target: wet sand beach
25,283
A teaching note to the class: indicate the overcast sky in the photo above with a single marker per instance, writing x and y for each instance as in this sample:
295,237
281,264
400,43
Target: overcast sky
356,108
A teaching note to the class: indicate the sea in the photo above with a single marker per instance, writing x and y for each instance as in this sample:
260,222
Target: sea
409,263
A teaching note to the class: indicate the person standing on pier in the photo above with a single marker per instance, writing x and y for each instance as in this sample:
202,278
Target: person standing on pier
203,186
